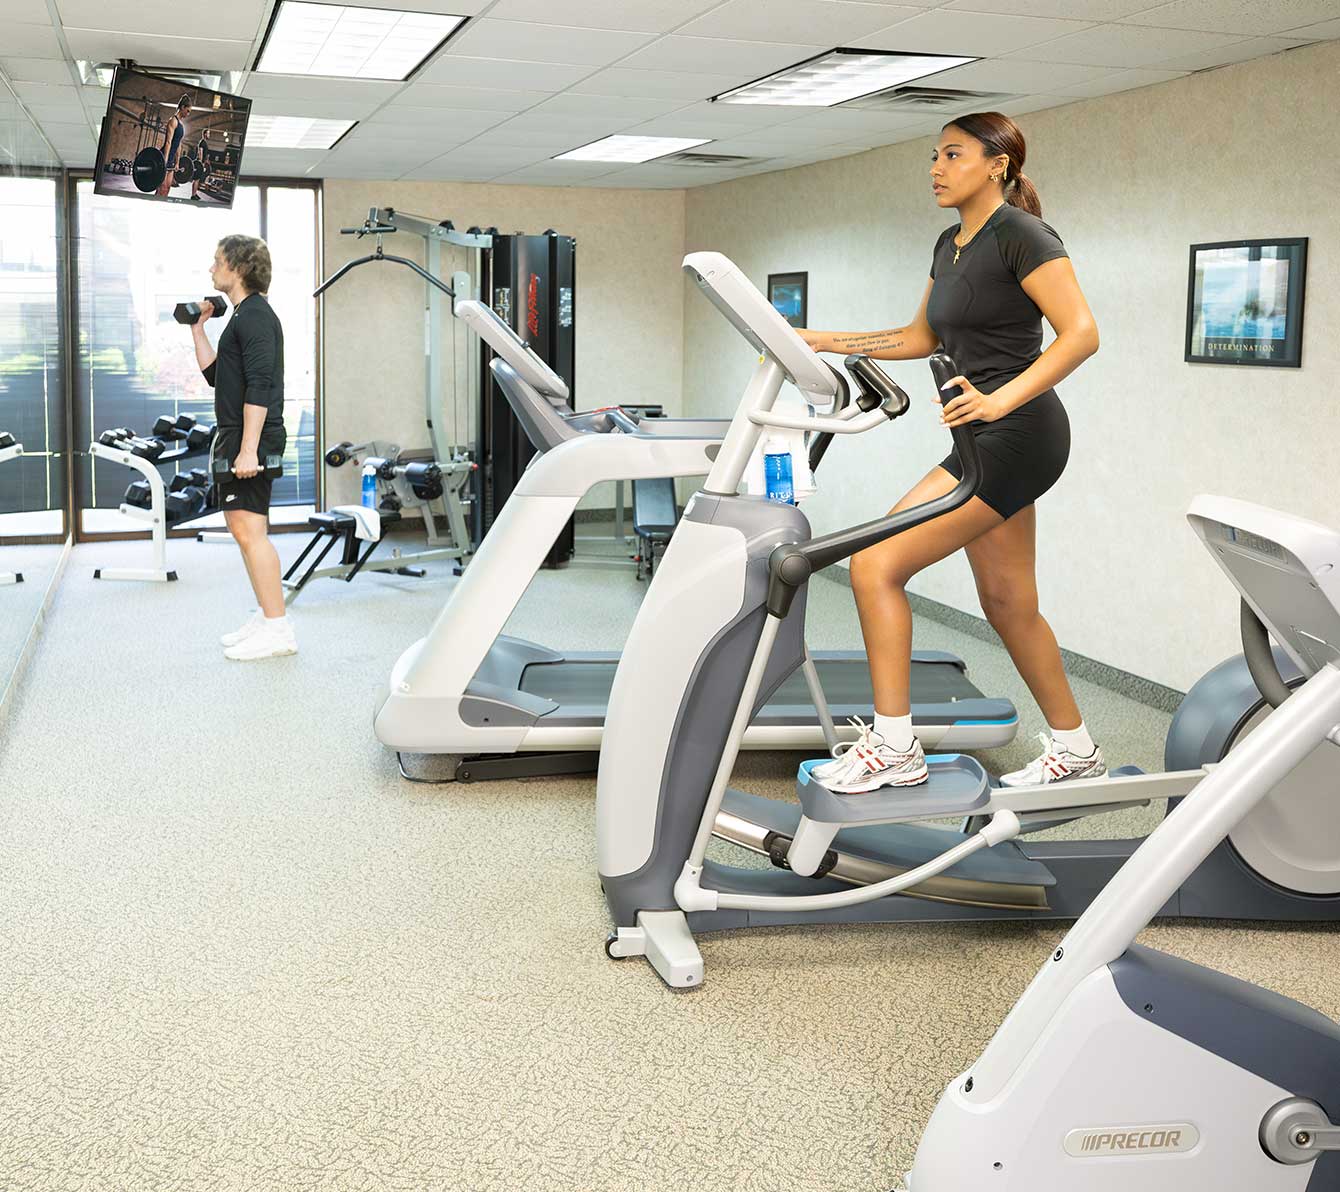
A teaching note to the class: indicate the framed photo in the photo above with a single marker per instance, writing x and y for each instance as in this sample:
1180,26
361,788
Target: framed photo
1244,302
789,293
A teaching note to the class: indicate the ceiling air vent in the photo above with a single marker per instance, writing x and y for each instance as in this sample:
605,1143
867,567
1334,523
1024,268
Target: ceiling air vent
728,161
927,99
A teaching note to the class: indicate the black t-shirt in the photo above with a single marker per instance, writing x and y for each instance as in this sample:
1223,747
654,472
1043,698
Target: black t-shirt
987,324
249,371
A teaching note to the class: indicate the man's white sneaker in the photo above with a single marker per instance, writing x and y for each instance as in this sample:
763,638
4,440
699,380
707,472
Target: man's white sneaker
265,642
879,766
231,639
1056,764
867,739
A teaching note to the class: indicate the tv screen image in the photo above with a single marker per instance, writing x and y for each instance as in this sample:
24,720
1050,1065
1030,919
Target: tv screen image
170,141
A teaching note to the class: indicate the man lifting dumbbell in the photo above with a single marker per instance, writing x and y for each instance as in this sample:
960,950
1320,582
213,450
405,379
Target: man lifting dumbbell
172,137
247,373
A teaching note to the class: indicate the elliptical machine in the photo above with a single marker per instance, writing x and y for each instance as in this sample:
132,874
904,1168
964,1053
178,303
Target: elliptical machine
721,623
1124,1068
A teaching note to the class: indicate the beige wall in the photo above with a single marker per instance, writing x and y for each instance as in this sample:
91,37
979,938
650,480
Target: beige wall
1130,181
629,301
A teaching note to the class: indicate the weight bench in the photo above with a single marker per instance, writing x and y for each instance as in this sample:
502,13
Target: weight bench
350,526
655,516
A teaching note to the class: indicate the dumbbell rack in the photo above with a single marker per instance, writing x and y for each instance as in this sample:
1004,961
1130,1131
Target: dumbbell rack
155,516
13,451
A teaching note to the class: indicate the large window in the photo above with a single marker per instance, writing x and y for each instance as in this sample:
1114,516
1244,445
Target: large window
134,263
32,407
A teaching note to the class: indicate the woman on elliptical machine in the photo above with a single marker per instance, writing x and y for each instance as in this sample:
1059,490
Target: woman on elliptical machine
994,276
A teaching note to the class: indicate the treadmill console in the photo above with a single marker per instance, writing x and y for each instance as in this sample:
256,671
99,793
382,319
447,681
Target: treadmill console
486,323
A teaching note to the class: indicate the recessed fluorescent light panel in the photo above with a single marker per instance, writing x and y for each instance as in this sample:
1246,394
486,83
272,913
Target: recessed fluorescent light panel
630,149
838,76
352,43
294,132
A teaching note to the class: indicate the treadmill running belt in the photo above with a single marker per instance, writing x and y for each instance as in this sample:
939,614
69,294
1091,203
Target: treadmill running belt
846,683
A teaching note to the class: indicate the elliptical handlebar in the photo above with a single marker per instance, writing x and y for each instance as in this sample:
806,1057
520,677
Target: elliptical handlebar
819,444
1260,658
791,564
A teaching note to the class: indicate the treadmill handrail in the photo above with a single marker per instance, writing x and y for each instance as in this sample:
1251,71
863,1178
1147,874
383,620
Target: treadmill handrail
791,564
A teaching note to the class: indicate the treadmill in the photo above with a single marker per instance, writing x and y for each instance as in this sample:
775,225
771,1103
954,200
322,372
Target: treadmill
507,708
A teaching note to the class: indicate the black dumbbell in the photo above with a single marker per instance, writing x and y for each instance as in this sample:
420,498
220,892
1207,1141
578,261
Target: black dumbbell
199,438
168,427
271,466
339,455
147,448
189,312
195,478
116,437
139,494
186,504
6,440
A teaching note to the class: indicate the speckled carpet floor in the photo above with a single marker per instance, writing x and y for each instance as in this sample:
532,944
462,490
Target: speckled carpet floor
240,953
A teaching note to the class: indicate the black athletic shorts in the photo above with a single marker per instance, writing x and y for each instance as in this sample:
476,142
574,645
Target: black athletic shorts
1023,454
252,494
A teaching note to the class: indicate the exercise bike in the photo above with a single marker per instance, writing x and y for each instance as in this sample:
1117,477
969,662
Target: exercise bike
1123,1068
721,623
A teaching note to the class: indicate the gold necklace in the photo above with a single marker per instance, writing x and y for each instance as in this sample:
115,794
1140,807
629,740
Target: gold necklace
958,248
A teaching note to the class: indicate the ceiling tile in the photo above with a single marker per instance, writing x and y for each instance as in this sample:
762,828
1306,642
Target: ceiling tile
590,127
518,41
291,162
558,173
26,12
461,123
37,70
740,115
370,93
1034,103
471,99
1124,45
1017,77
1074,10
1122,80
795,21
329,169
639,16
967,33
64,93
460,70
517,135
396,138
238,20
1236,16
1239,51
329,108
571,104
498,156
656,84
853,121
1323,31
96,45
32,41
437,171
57,113
720,55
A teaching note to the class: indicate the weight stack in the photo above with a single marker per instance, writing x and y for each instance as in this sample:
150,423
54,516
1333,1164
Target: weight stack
530,281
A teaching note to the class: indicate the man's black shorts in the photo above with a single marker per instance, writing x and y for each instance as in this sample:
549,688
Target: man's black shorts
253,494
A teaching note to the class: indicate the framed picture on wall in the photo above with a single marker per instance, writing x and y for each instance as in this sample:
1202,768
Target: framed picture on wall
1245,302
789,293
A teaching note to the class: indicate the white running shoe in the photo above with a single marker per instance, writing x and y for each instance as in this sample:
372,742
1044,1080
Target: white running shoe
877,766
1056,764
256,621
264,642
841,752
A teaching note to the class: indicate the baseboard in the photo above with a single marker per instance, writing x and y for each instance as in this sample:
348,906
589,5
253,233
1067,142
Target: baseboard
1145,691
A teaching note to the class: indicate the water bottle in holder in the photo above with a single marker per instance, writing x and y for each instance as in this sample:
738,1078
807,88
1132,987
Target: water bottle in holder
777,476
369,486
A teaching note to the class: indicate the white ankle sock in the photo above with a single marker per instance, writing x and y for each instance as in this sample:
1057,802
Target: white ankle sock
277,622
896,731
1077,740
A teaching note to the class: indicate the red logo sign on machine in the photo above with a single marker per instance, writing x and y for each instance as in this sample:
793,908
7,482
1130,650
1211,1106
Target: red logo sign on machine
533,305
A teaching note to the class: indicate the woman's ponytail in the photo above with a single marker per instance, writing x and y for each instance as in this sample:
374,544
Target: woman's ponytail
1020,192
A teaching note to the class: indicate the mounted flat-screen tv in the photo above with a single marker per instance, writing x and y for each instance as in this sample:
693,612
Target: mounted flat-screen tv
170,141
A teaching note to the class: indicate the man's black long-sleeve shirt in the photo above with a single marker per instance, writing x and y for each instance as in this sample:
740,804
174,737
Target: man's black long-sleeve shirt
249,370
